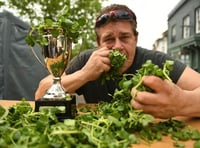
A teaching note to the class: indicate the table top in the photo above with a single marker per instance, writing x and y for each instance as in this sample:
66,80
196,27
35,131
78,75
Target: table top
166,141
8,103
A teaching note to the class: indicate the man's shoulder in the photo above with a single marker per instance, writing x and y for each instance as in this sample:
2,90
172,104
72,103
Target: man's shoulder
149,54
83,56
88,51
157,57
142,50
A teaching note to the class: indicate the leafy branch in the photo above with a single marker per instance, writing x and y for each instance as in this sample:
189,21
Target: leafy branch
70,29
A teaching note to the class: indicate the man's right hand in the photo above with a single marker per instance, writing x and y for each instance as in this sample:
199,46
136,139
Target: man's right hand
97,64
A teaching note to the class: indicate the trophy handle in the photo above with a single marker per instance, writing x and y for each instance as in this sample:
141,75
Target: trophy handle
38,59
69,47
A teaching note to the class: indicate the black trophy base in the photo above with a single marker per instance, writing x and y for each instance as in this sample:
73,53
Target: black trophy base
70,107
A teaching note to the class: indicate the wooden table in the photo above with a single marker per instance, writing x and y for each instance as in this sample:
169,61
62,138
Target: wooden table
166,141
8,103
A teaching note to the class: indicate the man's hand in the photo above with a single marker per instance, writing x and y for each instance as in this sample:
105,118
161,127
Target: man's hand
97,64
44,85
164,102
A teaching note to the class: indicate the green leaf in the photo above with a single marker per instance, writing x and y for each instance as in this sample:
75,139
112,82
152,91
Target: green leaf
48,22
197,144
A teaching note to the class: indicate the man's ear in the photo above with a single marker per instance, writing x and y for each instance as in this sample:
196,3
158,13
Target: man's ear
97,41
136,36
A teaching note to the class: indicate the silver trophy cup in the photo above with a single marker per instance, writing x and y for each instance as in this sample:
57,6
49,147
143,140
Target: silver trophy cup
56,56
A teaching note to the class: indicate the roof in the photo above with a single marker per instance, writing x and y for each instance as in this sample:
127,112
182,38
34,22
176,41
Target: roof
176,8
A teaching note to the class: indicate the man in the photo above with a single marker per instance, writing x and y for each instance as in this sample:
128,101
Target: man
116,29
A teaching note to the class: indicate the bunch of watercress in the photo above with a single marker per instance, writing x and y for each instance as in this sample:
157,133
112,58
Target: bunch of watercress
117,60
129,81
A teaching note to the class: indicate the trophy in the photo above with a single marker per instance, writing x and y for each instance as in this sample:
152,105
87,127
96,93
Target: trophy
56,56
56,53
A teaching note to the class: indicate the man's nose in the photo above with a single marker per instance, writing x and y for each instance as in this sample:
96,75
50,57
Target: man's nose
117,44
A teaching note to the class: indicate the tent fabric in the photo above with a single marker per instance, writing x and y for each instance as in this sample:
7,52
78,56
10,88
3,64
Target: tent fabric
20,71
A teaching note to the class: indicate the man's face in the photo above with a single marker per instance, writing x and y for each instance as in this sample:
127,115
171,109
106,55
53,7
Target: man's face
119,35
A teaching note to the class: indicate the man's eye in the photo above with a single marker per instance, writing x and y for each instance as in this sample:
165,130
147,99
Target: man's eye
109,39
125,37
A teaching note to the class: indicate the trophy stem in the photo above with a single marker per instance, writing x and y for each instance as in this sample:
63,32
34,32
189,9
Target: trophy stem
56,91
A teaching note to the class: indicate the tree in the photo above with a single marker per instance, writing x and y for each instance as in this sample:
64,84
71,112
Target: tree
1,3
39,10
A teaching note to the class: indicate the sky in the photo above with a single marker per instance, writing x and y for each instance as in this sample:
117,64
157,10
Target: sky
151,18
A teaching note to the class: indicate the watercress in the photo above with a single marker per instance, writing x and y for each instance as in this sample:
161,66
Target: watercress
117,60
106,125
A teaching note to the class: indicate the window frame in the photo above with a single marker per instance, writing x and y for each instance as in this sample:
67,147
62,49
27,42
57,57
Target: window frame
186,27
173,34
197,20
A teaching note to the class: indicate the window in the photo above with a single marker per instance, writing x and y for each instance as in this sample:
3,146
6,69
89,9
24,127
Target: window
185,58
197,20
173,39
186,27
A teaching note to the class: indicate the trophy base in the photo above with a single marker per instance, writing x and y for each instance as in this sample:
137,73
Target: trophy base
70,106
56,91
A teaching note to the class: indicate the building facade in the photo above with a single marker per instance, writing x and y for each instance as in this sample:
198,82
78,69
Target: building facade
184,33
161,43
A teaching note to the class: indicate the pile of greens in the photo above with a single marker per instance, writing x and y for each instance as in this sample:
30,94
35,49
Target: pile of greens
112,124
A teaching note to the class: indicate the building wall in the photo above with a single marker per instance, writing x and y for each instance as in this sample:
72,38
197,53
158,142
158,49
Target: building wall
184,8
186,50
161,43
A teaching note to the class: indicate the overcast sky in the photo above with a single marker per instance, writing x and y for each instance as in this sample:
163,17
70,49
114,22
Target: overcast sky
151,17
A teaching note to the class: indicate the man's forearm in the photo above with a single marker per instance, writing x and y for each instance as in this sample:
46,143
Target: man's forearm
72,82
191,103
